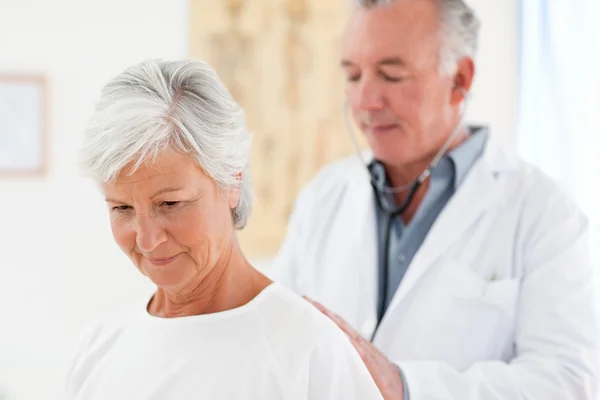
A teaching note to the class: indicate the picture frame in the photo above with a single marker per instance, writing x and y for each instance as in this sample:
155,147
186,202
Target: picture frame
24,125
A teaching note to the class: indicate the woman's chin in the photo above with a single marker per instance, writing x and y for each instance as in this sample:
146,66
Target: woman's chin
168,277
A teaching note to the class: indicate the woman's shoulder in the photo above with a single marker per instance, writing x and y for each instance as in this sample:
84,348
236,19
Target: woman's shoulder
288,318
312,350
106,325
94,342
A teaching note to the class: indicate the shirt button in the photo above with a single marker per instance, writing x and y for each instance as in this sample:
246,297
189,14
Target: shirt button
402,258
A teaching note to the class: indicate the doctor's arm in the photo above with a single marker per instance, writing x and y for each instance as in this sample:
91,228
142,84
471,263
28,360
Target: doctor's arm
555,339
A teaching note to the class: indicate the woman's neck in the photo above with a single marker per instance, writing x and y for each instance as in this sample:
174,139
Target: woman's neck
231,283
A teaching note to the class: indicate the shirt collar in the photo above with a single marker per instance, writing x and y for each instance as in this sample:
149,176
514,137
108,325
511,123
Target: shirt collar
461,158
465,154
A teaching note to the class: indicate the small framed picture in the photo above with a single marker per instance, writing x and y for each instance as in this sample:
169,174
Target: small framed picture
24,125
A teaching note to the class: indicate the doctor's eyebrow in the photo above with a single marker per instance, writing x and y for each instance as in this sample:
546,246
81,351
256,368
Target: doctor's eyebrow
394,61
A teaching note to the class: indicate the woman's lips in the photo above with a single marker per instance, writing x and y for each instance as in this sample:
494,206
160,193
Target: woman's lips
162,261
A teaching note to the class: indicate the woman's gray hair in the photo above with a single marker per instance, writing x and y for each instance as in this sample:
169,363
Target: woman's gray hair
459,30
180,105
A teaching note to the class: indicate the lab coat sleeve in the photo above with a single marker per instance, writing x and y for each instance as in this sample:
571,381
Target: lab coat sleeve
336,371
555,338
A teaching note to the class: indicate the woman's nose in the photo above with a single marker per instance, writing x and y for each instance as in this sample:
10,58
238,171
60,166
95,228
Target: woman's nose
149,235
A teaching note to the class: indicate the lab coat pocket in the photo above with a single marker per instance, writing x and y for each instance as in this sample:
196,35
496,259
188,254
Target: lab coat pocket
473,317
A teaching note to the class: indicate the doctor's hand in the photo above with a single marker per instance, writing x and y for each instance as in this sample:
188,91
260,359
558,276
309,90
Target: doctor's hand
384,373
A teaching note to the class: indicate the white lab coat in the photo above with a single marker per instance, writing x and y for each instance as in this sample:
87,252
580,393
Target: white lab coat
497,304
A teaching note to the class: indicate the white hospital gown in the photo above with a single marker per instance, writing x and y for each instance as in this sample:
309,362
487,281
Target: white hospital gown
277,346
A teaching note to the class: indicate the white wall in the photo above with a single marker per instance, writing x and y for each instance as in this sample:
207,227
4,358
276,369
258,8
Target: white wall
58,265
495,91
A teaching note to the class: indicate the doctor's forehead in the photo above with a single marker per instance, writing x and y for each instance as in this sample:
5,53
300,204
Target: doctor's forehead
399,30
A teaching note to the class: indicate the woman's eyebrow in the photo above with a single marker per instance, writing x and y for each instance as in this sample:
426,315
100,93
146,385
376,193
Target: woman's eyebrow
165,190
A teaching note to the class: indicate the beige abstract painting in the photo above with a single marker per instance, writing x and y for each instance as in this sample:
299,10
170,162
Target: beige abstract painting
280,60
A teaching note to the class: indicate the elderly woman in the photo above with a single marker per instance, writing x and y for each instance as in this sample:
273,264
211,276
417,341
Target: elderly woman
170,148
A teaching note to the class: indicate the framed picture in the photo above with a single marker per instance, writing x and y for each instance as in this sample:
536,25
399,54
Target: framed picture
23,125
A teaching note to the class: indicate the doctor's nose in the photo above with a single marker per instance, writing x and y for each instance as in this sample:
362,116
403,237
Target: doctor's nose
369,96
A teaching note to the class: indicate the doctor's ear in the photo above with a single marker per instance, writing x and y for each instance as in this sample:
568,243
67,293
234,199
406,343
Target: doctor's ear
463,79
233,195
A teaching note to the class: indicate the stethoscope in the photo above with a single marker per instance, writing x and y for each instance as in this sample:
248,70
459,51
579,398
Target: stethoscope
376,172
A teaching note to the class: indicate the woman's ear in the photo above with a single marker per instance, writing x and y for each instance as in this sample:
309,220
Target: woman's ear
236,192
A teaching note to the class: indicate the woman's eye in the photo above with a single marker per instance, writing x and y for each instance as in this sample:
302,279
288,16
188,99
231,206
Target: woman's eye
121,208
169,204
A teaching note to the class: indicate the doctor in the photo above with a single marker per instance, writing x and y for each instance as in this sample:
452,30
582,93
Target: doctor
458,271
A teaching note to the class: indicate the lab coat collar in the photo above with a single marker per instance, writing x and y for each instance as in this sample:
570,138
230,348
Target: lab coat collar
481,190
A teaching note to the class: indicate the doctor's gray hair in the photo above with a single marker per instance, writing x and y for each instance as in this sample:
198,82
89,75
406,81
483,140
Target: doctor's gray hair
180,105
459,30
